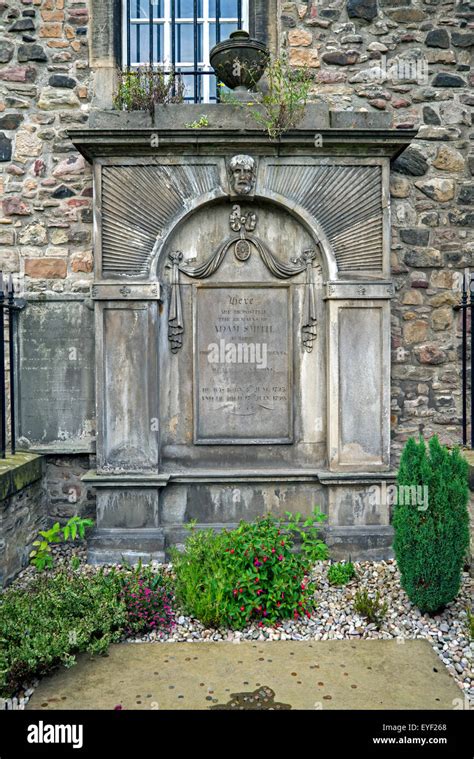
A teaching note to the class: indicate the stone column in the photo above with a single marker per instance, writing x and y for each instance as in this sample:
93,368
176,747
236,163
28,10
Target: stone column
127,381
359,418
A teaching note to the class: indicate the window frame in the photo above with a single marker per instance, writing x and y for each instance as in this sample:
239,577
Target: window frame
201,70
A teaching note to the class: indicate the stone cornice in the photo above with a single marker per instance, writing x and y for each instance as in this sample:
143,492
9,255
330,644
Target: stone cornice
132,141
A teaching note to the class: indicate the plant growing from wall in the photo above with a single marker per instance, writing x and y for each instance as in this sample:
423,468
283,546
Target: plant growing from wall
41,556
280,106
145,87
200,123
431,543
341,573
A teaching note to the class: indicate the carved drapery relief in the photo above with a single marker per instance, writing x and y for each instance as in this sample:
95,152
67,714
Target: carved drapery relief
242,244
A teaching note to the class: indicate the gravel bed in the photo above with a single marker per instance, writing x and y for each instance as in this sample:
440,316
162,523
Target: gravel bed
333,619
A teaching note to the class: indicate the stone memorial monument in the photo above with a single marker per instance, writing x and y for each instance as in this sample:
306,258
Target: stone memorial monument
242,330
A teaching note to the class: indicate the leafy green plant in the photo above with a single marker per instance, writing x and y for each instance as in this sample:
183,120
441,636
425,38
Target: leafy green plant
41,556
431,543
250,574
281,105
372,608
145,87
57,617
341,573
200,575
200,123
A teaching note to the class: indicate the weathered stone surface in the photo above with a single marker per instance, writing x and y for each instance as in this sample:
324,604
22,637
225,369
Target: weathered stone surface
449,159
15,206
365,9
18,74
31,52
445,79
6,51
430,354
415,331
5,148
430,116
300,38
438,189
45,268
73,165
59,80
82,262
22,25
418,236
27,144
423,259
462,39
399,186
411,162
442,319
437,38
11,121
466,194
341,57
52,98
33,234
302,57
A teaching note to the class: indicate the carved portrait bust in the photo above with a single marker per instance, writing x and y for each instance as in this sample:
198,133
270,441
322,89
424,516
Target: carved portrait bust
242,174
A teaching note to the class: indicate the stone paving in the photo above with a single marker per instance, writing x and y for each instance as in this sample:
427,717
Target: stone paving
375,674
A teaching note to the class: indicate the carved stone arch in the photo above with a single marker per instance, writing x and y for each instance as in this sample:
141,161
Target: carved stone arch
313,228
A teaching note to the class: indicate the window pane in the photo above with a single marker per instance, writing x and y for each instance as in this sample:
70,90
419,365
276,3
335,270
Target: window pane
139,8
226,29
192,84
157,8
228,9
185,8
140,43
184,39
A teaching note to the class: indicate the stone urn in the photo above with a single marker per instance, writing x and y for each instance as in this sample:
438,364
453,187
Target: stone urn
240,61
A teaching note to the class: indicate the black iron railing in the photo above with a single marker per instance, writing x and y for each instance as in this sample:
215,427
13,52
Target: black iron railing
467,324
9,306
156,39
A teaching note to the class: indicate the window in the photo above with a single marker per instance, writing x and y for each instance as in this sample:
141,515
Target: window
178,34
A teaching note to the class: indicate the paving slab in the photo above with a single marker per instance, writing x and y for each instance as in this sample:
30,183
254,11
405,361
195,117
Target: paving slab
334,674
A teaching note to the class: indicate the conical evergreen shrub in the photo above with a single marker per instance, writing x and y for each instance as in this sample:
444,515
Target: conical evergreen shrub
431,543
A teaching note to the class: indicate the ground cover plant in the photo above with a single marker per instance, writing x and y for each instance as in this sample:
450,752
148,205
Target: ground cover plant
341,573
64,613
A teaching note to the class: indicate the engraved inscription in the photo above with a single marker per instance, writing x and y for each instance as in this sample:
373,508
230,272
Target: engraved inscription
243,365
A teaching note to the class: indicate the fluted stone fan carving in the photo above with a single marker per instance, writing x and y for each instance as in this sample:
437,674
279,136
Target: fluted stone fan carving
140,202
346,203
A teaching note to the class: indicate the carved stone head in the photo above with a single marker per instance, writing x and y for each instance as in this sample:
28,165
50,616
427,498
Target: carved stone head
243,174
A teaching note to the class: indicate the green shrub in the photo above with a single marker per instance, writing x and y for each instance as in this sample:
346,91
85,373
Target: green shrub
371,608
250,574
431,543
57,617
341,573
